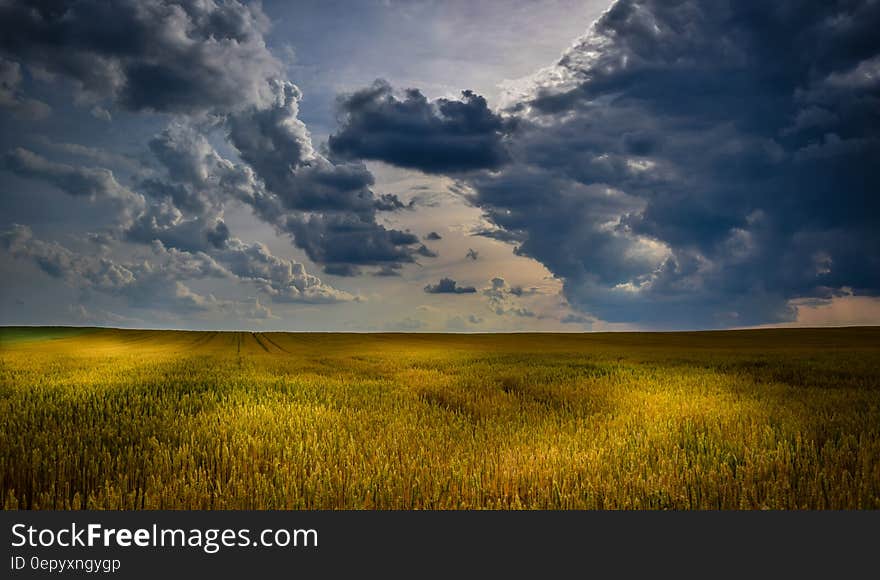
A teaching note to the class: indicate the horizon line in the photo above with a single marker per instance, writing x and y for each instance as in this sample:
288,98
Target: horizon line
549,332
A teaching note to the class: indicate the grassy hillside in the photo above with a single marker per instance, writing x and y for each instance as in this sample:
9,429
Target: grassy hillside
206,420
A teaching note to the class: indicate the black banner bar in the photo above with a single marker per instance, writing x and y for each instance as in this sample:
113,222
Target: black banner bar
416,544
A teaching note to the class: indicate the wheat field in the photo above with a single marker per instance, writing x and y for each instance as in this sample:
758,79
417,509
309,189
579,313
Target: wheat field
129,419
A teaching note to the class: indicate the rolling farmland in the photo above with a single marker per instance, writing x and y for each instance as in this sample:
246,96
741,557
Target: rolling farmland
131,419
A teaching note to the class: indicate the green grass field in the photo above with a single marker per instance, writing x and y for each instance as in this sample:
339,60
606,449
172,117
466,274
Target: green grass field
117,419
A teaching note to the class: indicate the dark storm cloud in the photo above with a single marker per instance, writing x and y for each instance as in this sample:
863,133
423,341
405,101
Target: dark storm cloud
343,242
154,55
701,163
278,146
693,163
433,236
439,136
327,208
449,286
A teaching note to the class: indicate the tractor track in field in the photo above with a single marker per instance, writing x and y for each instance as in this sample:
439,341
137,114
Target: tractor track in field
256,337
238,340
203,339
273,343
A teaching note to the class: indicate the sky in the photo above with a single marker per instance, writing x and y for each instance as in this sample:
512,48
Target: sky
451,166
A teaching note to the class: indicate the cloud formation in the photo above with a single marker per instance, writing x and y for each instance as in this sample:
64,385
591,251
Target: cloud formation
146,284
207,63
153,55
327,208
449,286
441,136
697,163
741,162
685,164
87,182
503,298
178,214
159,281
281,279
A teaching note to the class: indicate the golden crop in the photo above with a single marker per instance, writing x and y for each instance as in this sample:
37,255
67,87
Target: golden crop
113,419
